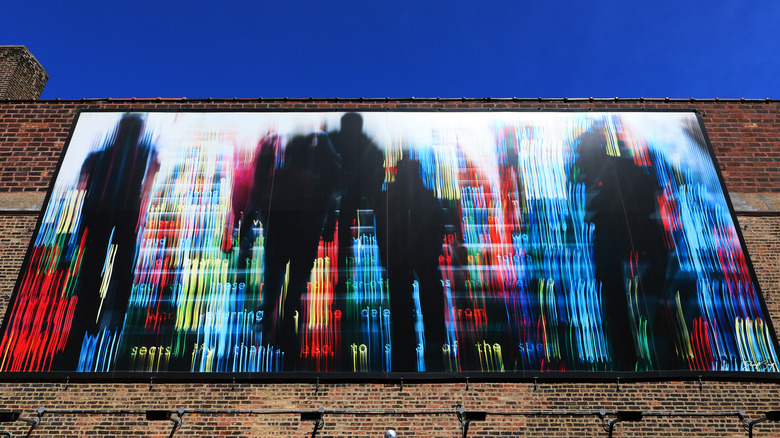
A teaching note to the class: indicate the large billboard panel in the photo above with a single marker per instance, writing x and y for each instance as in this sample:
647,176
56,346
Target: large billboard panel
386,242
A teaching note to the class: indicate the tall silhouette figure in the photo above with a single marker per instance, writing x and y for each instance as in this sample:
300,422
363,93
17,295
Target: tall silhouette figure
117,180
363,173
627,247
410,231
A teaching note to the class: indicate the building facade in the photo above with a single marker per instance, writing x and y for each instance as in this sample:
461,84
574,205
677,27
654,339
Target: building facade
744,135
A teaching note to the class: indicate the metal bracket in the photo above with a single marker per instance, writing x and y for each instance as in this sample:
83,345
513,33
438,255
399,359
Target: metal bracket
603,417
151,382
317,385
617,385
701,385
536,383
467,383
67,383
401,389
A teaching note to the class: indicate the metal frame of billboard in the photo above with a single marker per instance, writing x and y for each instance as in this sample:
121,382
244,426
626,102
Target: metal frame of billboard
391,375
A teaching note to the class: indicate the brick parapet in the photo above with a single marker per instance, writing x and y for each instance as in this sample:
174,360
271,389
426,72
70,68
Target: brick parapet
21,75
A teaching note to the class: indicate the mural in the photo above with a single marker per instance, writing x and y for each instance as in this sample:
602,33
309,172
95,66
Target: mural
386,242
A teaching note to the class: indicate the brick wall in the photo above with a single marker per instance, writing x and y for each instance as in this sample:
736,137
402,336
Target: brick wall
21,75
745,138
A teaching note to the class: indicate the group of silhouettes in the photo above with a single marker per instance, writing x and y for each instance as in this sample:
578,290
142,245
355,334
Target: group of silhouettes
301,189
326,179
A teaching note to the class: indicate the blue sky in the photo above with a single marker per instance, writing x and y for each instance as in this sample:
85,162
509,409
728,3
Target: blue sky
197,49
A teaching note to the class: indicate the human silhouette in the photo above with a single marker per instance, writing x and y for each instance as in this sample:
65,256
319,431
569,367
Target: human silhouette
627,246
292,198
363,176
410,231
117,180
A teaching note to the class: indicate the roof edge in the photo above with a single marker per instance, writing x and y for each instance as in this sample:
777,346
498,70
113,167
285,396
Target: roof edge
396,99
